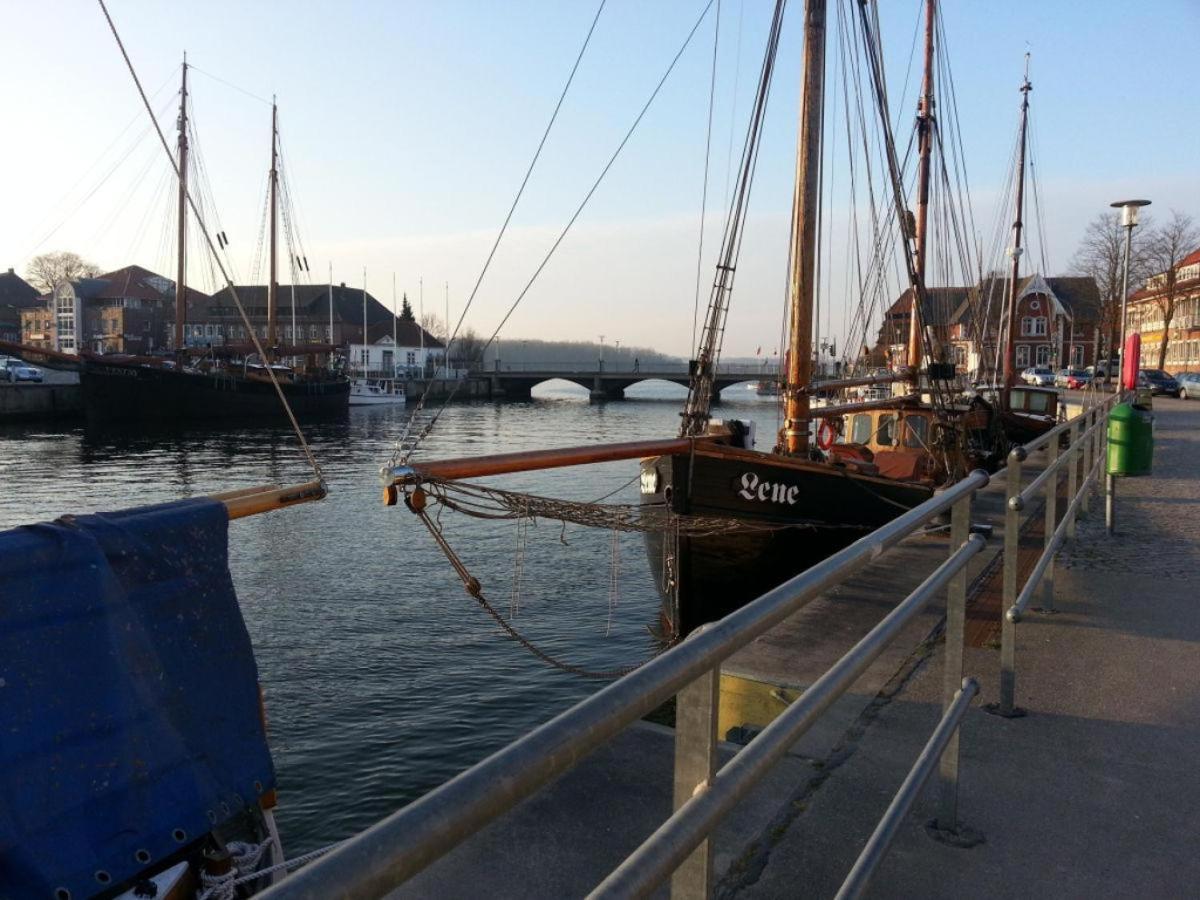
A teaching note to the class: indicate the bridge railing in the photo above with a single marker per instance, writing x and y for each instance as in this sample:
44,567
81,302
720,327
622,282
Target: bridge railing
395,849
647,369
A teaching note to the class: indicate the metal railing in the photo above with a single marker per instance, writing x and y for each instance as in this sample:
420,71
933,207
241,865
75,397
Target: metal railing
406,842
1083,459
623,366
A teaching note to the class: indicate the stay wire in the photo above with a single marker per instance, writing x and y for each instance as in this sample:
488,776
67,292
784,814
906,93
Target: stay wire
712,88
579,210
503,229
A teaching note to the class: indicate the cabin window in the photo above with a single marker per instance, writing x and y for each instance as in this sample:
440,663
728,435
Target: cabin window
886,433
1039,402
861,432
916,431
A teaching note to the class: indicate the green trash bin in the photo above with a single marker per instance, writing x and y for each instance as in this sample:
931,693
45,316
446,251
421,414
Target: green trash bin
1130,441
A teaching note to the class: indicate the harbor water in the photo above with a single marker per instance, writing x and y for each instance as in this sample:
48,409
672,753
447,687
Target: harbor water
382,677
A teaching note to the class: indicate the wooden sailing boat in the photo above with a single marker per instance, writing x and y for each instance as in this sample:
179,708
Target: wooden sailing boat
777,512
1027,412
116,388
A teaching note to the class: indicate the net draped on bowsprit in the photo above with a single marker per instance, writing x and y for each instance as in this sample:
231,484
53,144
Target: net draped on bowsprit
128,692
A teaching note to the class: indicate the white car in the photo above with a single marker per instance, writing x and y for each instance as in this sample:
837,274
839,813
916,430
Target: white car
1038,376
15,370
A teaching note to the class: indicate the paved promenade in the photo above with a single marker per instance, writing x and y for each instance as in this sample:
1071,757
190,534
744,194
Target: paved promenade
1095,793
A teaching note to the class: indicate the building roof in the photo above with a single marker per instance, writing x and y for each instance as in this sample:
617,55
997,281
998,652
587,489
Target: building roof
1078,297
314,300
16,291
1193,257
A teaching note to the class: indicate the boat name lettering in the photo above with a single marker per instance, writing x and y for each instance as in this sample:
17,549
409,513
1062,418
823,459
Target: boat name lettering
114,370
754,488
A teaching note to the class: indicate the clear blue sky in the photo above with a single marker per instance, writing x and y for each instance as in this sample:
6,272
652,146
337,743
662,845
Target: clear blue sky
408,126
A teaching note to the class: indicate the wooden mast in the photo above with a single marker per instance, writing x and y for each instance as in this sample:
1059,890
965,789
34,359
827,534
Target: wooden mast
1010,349
273,282
925,152
181,263
805,204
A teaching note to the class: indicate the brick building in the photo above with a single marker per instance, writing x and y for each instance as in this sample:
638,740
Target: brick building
16,294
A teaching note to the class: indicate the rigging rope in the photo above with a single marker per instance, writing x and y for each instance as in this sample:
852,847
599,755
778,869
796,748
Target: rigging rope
400,445
496,243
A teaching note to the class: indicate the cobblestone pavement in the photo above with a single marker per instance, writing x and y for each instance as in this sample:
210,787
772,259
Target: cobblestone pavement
1158,518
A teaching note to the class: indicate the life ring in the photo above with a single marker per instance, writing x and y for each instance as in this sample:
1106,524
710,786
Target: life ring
826,434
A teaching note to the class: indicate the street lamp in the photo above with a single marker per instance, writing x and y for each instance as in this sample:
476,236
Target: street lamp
1129,219
601,353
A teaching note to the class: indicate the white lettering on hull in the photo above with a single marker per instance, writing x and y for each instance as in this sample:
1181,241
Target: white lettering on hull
755,488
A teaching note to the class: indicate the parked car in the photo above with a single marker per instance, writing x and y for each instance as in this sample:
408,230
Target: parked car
1189,385
1160,382
15,370
1074,379
1039,376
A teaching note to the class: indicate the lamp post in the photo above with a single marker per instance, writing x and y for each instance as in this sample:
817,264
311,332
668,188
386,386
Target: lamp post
1129,219
601,353
617,364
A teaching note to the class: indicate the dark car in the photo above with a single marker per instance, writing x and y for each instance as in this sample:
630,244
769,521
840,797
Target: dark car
1160,382
1189,385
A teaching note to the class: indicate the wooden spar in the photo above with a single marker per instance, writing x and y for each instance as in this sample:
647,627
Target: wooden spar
273,279
181,261
52,359
529,460
805,203
264,498
827,412
1010,347
925,152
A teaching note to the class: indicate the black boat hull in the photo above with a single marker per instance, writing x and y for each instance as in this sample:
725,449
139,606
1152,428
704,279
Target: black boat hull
119,392
703,578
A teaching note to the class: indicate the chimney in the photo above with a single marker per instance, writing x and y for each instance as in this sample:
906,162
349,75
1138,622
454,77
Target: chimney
10,271
343,284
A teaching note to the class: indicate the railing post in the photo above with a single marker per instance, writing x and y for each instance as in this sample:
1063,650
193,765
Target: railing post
956,611
1051,522
1072,474
1012,530
1089,455
695,765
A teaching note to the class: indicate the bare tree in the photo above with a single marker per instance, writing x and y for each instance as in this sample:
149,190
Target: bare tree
1166,246
1101,255
48,269
434,326
467,352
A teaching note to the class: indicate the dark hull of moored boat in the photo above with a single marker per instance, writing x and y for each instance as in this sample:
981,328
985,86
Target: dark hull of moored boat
1020,428
703,578
121,392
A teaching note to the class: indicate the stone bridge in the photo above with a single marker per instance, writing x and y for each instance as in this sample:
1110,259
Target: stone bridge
516,382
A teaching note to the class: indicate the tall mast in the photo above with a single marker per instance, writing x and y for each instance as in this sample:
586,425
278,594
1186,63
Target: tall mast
366,357
794,436
925,153
1010,349
181,263
273,283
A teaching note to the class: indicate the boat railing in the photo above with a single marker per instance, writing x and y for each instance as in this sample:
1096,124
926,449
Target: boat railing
395,849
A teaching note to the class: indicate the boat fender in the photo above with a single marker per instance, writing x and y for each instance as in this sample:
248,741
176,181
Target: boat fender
416,500
391,494
826,434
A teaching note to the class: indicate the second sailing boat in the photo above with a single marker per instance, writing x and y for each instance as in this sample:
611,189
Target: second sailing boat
154,389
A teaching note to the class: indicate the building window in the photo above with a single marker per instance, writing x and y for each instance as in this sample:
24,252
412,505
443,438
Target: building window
1039,326
312,332
1043,353
1077,355
411,358
1022,354
1026,326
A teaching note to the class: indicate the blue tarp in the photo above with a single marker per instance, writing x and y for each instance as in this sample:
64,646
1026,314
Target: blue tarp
129,707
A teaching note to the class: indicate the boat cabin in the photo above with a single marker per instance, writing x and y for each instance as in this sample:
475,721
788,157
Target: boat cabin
894,442
1035,401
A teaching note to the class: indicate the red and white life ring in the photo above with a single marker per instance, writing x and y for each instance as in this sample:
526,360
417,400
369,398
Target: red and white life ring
826,434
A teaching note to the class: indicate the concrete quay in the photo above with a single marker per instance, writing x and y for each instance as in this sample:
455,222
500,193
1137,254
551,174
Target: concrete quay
59,396
1089,794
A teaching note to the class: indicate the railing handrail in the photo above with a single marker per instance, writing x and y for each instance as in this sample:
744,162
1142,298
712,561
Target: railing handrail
405,842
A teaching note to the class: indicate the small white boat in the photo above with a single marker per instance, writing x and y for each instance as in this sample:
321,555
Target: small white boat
376,393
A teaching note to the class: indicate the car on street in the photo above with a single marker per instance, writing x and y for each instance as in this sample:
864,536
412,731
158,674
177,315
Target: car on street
14,370
1038,376
1073,379
1189,385
1160,382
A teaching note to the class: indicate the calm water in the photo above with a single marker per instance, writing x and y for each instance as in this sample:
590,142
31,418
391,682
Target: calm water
382,677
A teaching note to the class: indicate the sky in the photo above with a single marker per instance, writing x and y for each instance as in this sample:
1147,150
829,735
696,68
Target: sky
407,128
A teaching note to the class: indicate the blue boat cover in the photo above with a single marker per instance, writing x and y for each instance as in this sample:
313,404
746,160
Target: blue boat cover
129,708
